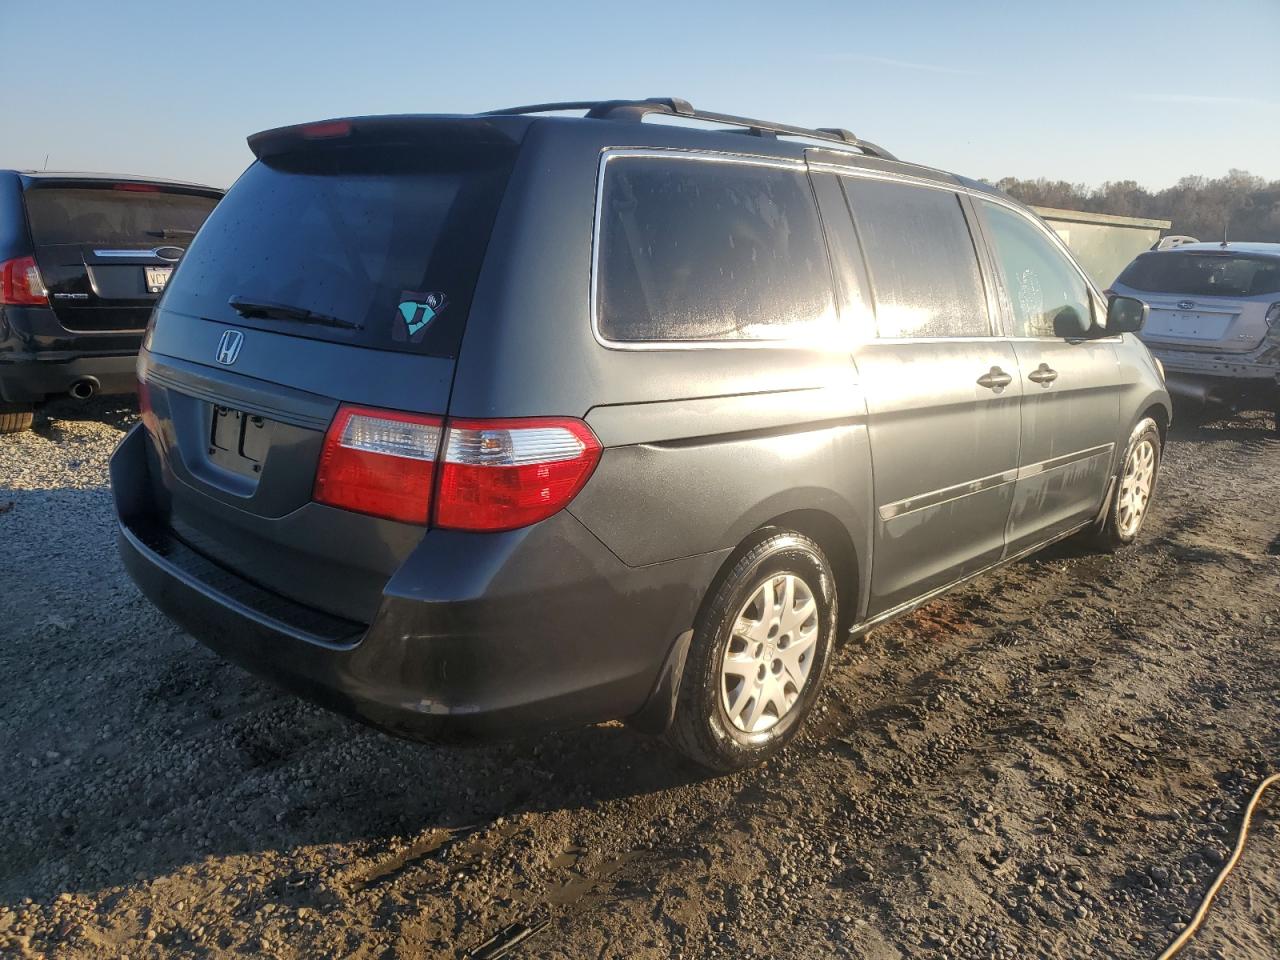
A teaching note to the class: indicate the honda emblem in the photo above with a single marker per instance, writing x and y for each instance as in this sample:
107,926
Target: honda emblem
229,347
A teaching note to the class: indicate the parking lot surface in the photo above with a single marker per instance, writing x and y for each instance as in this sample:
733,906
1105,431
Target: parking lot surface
1049,762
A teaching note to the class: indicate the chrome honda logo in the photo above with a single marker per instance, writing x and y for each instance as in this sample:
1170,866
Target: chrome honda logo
1186,304
229,347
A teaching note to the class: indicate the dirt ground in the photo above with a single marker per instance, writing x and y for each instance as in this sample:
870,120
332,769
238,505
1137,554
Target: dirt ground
1050,762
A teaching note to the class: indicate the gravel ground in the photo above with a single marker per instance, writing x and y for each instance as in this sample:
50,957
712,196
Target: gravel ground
1050,762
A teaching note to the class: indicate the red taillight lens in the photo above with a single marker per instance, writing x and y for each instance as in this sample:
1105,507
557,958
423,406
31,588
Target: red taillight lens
20,283
145,410
502,474
379,462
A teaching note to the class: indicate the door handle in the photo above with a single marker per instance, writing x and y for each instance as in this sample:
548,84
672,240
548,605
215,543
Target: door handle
1043,375
995,379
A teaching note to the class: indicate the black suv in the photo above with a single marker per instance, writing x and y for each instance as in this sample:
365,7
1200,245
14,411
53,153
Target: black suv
83,258
488,424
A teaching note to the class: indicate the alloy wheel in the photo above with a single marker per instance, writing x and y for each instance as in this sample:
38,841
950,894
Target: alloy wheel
1135,487
769,654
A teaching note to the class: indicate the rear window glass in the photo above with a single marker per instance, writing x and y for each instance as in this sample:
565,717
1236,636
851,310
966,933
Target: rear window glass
709,250
103,215
388,240
1203,274
924,269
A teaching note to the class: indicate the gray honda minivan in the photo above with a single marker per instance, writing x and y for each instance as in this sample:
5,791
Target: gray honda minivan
484,425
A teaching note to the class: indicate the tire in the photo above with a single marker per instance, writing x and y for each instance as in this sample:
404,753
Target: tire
1127,510
16,417
739,699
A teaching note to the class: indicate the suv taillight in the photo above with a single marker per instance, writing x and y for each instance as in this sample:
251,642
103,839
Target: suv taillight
503,474
1273,316
20,283
493,474
379,462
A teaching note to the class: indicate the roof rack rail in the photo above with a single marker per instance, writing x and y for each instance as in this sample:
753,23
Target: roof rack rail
675,107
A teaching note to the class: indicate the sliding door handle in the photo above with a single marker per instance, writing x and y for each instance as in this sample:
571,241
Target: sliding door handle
995,379
1043,375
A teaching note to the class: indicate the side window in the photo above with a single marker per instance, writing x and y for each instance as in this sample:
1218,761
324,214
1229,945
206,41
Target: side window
924,268
695,249
1046,293
846,258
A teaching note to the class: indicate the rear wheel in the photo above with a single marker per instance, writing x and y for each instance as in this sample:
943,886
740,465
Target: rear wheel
1134,488
758,656
16,417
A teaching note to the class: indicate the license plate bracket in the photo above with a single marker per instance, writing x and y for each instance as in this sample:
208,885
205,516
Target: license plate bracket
157,278
238,441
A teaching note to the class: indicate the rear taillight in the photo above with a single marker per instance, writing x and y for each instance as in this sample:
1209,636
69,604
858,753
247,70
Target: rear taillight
502,474
20,283
1273,316
145,411
379,462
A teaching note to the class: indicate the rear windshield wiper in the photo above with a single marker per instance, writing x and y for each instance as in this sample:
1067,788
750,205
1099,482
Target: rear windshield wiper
282,311
171,234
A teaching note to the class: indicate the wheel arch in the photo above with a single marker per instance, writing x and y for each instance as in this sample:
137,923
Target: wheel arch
833,538
1159,412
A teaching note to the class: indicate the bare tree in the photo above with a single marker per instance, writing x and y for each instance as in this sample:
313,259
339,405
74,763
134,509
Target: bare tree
1244,206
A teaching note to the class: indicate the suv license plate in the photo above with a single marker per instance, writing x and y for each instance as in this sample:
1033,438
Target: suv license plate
157,277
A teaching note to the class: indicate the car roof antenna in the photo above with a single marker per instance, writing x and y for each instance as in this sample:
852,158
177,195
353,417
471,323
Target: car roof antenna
1226,222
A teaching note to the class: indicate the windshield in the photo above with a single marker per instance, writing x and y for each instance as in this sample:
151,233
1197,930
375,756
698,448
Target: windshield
373,246
1203,274
131,214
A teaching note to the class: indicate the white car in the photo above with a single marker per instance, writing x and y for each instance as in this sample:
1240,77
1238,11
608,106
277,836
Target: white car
1214,320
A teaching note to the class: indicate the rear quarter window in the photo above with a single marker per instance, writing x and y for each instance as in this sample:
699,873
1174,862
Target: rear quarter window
696,249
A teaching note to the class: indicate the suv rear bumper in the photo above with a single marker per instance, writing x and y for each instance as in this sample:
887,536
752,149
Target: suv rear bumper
477,635
1262,363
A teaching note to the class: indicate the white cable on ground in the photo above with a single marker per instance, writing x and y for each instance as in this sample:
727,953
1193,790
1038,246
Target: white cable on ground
1194,925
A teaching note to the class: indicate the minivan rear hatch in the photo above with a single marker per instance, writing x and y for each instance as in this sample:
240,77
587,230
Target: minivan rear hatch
107,248
339,269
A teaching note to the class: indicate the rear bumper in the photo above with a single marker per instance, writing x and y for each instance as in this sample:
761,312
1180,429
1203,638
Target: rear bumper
39,358
32,378
477,635
1262,363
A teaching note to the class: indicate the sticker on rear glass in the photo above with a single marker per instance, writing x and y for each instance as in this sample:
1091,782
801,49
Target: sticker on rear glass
415,313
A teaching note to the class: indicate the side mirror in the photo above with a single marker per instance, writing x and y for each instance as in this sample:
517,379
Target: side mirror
1125,315
1069,325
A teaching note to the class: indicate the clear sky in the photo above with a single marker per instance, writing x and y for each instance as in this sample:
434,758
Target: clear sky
1148,90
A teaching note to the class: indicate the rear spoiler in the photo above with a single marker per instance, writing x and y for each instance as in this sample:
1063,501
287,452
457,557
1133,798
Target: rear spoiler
404,129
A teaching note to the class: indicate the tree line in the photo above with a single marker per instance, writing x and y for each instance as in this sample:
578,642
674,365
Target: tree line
1248,207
